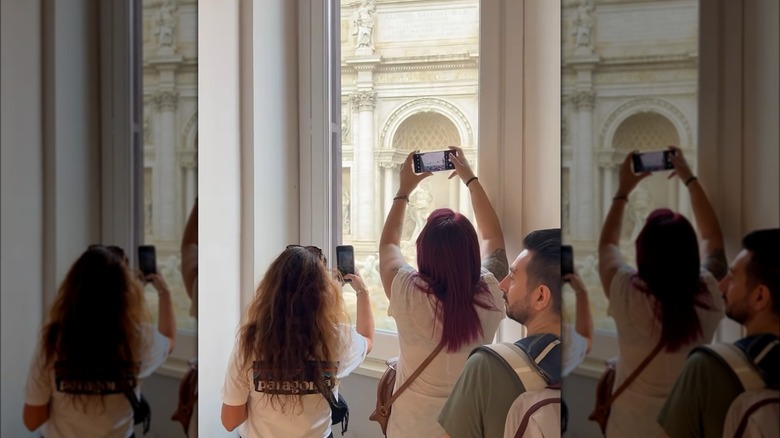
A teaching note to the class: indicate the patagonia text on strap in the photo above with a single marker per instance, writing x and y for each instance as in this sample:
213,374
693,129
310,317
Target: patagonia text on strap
272,381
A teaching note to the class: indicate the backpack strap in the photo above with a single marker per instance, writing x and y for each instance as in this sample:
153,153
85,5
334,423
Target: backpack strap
546,353
738,362
535,407
518,361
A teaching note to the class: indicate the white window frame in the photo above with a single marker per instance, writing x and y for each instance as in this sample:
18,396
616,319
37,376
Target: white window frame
504,47
122,146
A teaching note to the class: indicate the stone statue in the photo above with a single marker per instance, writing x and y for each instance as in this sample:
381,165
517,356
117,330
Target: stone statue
166,23
370,271
582,25
637,210
345,219
345,129
419,208
363,20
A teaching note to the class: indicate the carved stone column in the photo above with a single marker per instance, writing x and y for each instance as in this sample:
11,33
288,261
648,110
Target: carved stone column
583,199
363,174
165,166
607,166
388,170
188,160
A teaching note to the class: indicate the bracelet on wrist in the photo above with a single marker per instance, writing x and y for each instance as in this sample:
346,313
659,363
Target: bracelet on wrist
404,197
472,179
359,292
690,180
620,198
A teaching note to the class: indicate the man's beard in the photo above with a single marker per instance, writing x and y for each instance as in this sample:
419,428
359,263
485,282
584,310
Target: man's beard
519,310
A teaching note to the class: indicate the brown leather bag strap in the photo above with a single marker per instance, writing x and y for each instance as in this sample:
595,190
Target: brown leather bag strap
414,375
636,372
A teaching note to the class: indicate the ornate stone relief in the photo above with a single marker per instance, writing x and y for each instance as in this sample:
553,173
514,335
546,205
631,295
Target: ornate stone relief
584,100
363,21
364,100
582,25
166,100
166,25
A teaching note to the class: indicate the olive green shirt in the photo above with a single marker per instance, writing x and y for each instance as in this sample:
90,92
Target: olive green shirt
697,405
481,398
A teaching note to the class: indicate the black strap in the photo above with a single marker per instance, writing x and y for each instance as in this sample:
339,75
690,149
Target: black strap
142,413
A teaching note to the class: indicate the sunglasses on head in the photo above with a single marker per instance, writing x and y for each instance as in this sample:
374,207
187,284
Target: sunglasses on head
314,249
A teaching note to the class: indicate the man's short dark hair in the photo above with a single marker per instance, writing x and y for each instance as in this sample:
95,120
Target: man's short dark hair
763,267
545,264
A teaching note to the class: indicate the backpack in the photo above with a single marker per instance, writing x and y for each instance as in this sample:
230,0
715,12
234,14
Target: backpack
536,361
755,412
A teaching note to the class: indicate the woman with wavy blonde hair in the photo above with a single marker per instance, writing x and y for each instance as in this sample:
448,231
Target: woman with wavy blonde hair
293,348
96,345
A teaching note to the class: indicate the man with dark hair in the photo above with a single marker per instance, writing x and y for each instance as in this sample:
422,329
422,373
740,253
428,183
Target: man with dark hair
487,387
705,390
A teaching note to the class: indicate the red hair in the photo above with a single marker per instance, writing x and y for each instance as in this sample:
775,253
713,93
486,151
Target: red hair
450,266
667,257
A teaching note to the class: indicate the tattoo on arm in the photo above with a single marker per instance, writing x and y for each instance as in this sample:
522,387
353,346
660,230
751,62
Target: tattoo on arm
497,263
716,263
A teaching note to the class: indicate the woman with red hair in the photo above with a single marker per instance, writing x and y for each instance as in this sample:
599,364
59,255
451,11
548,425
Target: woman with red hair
669,303
452,299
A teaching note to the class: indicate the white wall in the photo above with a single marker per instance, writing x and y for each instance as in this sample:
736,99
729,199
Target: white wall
22,201
248,129
50,180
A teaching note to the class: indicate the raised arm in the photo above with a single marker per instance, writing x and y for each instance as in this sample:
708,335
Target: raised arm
610,258
364,321
390,257
166,321
712,252
189,250
584,323
491,236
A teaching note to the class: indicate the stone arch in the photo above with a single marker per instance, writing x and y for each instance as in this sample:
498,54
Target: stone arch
425,131
422,106
659,107
643,132
189,134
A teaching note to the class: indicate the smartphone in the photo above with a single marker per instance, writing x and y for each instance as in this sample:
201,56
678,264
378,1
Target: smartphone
653,161
567,260
436,161
345,260
147,259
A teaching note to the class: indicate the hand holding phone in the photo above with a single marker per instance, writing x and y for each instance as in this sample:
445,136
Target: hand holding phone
345,260
652,161
147,259
437,161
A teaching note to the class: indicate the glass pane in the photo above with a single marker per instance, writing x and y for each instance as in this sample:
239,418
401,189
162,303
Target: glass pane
409,80
629,83
170,115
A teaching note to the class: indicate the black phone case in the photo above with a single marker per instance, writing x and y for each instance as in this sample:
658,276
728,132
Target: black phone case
447,162
639,167
342,252
147,259
567,260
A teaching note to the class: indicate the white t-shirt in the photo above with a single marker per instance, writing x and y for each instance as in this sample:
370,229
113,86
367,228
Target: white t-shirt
415,412
66,420
314,420
638,332
575,348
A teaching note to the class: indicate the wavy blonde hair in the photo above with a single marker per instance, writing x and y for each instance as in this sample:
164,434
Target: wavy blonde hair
293,320
93,333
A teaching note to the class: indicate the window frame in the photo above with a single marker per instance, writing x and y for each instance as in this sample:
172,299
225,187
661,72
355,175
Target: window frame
122,164
504,51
